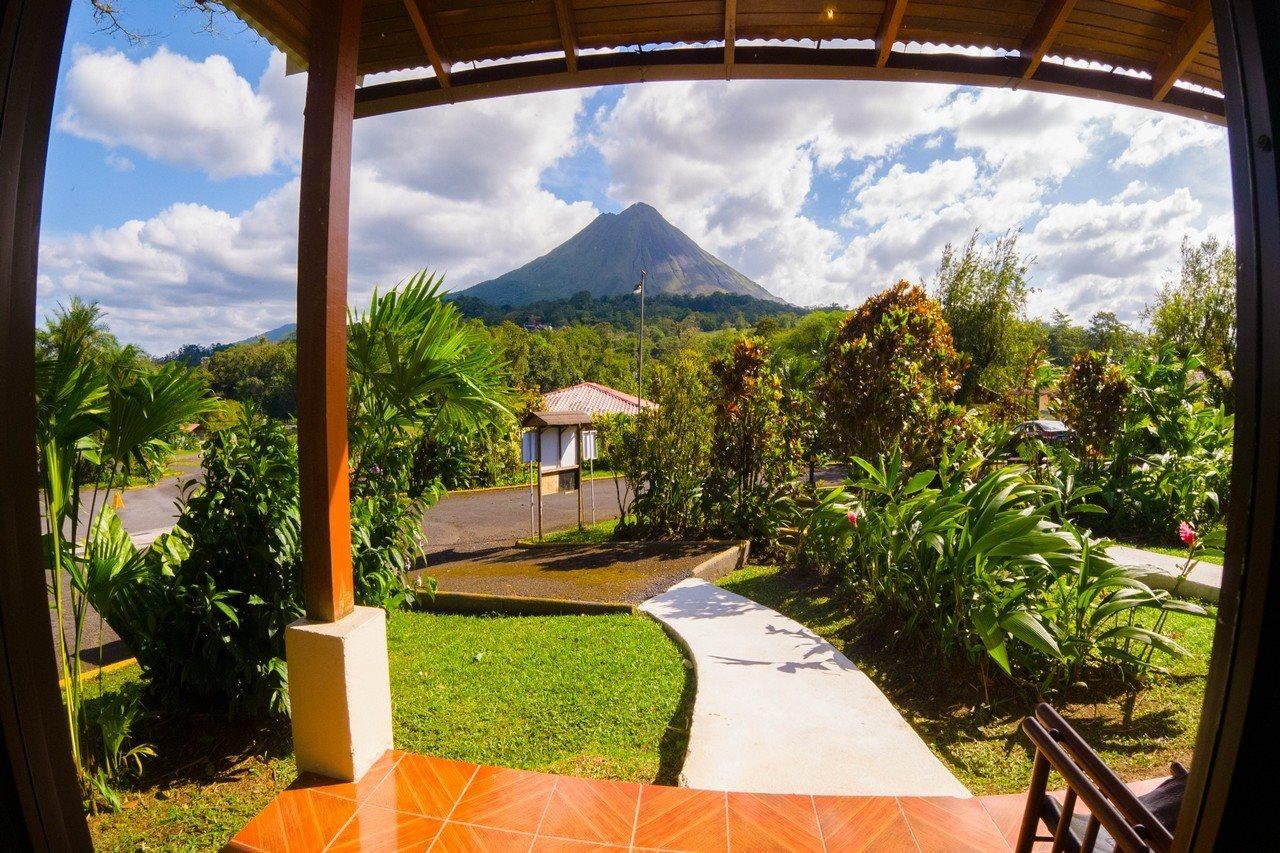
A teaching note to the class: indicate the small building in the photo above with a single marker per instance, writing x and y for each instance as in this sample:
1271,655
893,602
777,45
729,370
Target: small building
594,399
557,443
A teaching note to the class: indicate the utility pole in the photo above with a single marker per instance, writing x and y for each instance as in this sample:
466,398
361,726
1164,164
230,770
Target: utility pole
639,288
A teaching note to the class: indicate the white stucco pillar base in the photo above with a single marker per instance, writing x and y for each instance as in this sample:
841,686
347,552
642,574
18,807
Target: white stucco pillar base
339,693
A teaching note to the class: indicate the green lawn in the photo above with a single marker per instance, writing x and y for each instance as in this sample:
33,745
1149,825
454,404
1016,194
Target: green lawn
602,696
1138,734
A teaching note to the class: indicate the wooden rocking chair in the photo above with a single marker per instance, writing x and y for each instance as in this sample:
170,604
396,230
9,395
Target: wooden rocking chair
1117,818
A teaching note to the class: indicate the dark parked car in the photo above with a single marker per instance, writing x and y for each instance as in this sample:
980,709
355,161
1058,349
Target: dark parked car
1050,432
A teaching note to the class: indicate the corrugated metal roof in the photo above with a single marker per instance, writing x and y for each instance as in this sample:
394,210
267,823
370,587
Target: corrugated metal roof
593,398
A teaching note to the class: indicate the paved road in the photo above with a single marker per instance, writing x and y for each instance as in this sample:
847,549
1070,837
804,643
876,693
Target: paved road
502,515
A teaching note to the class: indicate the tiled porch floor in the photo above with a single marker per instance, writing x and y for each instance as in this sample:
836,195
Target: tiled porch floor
413,802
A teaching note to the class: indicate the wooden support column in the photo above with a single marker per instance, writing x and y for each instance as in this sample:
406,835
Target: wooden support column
323,230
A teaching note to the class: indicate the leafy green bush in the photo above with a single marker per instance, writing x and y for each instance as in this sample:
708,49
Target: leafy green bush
975,565
104,415
207,625
890,376
752,463
1167,443
664,452
1094,394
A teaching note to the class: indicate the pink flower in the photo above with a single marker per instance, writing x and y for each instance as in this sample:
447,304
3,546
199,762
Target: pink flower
853,518
1187,534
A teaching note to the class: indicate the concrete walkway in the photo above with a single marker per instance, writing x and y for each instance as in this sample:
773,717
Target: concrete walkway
1161,571
780,710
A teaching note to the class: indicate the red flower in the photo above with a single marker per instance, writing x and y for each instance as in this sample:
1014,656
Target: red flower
853,518
1187,534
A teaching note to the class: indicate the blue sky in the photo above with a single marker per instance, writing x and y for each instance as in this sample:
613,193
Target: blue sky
171,195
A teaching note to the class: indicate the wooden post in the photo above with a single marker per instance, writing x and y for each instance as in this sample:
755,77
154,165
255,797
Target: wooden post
538,463
323,230
577,452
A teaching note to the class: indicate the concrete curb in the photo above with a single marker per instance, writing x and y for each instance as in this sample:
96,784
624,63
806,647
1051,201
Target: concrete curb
1188,588
714,567
479,603
729,560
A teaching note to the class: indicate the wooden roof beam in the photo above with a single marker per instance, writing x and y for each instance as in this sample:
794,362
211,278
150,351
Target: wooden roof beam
418,14
887,32
1188,44
568,34
730,34
1053,16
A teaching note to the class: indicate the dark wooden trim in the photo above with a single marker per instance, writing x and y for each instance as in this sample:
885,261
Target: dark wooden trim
772,62
887,32
568,34
1052,18
49,813
323,233
418,17
1230,798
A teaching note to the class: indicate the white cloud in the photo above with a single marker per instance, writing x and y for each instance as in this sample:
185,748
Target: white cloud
942,183
1156,138
737,166
198,115
454,188
119,162
1109,256
822,191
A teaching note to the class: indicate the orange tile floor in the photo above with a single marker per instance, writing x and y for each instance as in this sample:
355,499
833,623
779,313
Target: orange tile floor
413,802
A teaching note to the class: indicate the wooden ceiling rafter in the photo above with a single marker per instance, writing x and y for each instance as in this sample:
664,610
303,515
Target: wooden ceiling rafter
418,15
1169,43
1191,40
1052,18
568,34
730,35
887,32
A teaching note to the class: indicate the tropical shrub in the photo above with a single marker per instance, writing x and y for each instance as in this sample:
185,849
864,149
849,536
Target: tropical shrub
207,616
752,463
821,533
1093,397
974,565
889,378
664,452
207,622
1168,456
104,413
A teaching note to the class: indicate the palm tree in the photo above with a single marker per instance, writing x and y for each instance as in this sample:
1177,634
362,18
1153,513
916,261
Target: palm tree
97,419
416,365
418,372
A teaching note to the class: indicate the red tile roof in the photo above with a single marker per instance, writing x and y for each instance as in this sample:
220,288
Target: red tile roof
594,399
